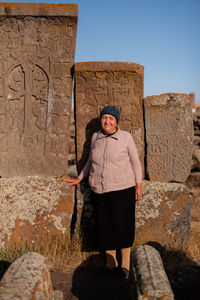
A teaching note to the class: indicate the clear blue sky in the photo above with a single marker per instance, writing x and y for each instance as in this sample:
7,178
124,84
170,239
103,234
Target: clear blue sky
162,35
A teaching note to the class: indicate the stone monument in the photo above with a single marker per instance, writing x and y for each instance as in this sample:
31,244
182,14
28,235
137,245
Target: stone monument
169,136
98,84
37,48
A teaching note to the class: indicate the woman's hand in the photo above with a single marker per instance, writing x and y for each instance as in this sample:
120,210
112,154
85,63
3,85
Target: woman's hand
72,181
138,191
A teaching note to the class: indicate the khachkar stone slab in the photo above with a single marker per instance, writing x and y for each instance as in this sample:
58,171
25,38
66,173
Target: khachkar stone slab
169,136
28,277
98,84
150,277
34,208
37,47
163,213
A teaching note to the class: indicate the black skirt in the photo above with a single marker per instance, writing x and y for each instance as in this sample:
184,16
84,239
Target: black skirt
114,217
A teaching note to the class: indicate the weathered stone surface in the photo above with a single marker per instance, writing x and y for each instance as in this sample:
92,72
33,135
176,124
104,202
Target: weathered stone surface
28,278
193,181
38,9
169,137
192,99
151,279
32,208
196,140
108,83
196,159
36,57
196,119
163,212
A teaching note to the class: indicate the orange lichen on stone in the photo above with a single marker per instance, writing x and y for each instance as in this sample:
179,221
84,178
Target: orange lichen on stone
158,111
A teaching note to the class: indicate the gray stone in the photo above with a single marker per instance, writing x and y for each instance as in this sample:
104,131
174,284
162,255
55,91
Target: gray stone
28,278
169,137
72,171
58,295
151,279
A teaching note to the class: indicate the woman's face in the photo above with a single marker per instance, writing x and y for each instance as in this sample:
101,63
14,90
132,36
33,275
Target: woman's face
108,123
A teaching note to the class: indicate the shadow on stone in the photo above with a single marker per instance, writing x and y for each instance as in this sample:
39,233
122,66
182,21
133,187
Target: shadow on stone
4,265
183,273
88,282
83,203
92,127
87,227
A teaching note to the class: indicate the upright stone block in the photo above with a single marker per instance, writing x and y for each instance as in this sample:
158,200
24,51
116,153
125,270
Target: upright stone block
169,137
98,84
36,56
163,213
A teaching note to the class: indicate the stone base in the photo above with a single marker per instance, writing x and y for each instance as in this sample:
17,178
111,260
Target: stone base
33,208
163,212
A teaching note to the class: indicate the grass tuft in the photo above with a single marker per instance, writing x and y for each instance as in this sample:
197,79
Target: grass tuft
57,249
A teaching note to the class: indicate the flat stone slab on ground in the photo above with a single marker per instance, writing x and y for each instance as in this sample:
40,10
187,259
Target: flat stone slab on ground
151,279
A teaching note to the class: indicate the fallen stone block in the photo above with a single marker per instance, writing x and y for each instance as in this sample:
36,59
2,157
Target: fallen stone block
28,278
163,213
169,137
34,208
151,279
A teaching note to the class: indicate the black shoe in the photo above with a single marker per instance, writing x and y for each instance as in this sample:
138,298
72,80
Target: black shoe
121,274
125,273
103,270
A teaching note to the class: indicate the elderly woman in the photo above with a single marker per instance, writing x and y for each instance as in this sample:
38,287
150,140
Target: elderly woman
115,178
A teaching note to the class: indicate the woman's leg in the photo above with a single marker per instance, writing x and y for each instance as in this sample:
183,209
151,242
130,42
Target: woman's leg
125,258
111,260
